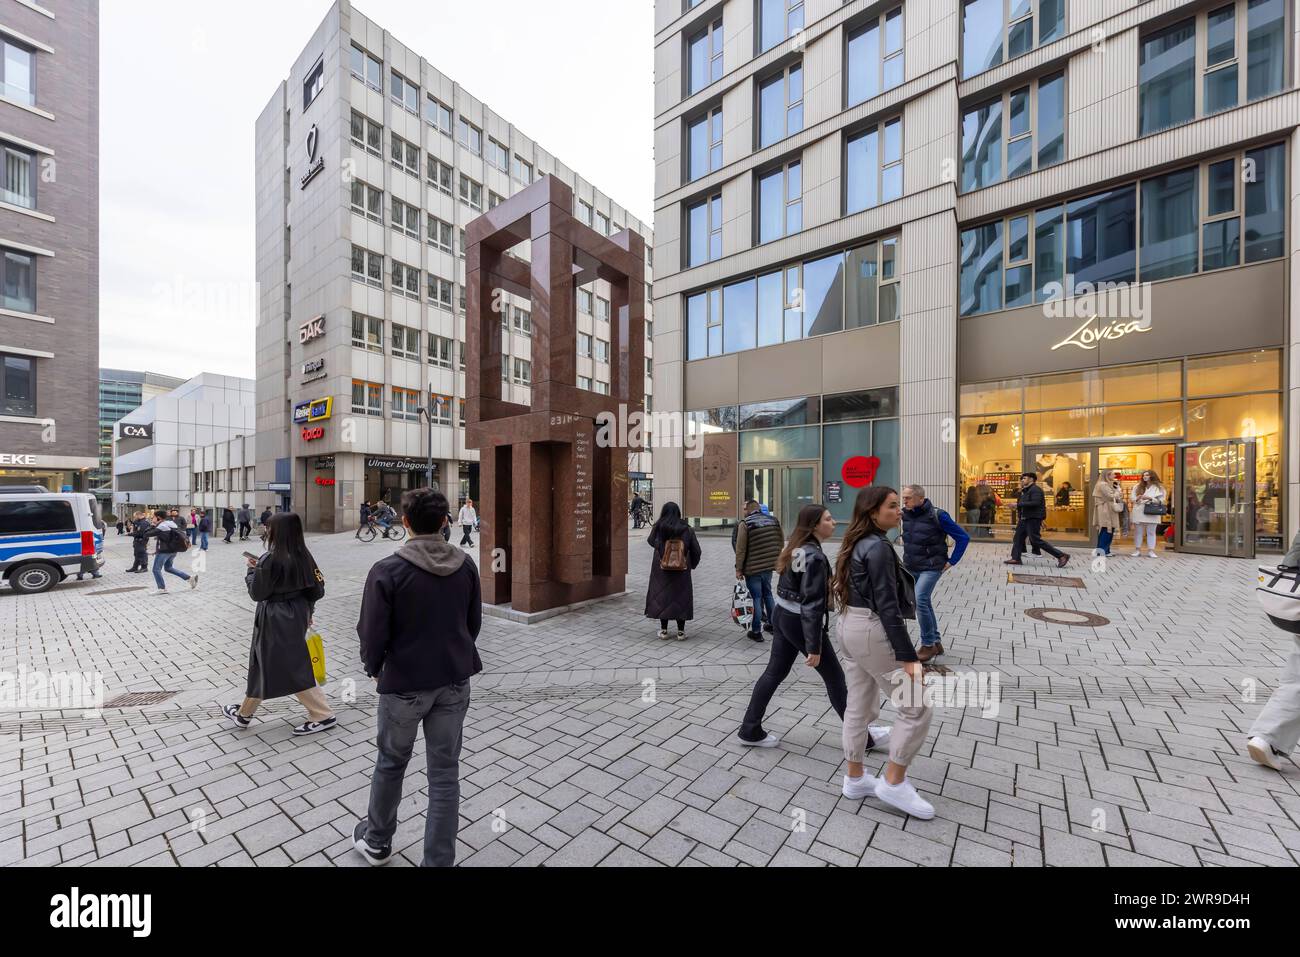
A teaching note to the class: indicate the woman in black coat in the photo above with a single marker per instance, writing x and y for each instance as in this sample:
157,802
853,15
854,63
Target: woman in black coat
286,584
669,594
228,523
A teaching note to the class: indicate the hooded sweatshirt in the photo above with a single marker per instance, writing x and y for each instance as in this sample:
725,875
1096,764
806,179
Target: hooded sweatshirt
420,616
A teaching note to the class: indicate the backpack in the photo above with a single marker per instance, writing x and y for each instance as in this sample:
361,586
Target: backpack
673,558
1279,594
178,540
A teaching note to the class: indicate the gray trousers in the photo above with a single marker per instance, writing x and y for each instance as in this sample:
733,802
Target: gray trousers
442,713
1279,722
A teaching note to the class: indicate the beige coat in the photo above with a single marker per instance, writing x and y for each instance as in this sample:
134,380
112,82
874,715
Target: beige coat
1103,509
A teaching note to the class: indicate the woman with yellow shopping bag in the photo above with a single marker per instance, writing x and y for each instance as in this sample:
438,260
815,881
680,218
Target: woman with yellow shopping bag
286,584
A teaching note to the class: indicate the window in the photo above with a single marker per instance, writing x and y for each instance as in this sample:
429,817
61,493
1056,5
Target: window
439,351
367,332
704,144
471,192
437,115
1170,224
461,413
406,402
778,20
366,68
584,382
17,385
406,342
19,181
406,218
585,212
704,58
367,134
871,284
523,371
874,163
367,200
780,106
523,170
1025,145
367,398
602,224
873,67
523,320
35,517
494,199
704,231
584,301
780,202
994,30
602,350
440,290
440,408
498,155
469,135
404,92
584,345
600,387
602,309
406,281
1167,77
405,155
439,233
438,174
462,244
367,267
314,83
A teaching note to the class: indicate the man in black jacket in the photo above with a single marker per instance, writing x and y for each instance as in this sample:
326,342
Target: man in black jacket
1032,509
420,615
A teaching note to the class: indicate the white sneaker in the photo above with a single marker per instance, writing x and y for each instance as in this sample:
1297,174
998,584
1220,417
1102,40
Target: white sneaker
855,789
771,741
904,797
159,592
1263,753
663,634
1151,554
1138,553
879,736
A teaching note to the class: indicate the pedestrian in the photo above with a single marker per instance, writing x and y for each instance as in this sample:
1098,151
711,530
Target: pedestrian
265,518
970,504
759,541
926,530
1148,508
420,615
169,541
1107,504
139,543
872,596
1276,730
635,509
121,525
1063,495
245,517
989,504
286,583
204,528
1032,509
364,518
669,595
228,522
187,529
468,518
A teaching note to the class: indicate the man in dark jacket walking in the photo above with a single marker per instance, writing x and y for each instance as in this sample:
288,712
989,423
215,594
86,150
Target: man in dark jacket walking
228,523
759,541
926,530
139,543
1031,509
245,516
420,616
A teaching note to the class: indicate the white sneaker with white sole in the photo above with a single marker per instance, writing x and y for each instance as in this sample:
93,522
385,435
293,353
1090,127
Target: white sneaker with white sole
904,797
855,789
1263,753
879,736
771,741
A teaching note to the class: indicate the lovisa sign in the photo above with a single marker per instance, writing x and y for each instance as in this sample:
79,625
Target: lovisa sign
1093,332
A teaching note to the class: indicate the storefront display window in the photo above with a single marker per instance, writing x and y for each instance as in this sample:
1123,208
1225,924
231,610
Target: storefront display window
779,445
1248,372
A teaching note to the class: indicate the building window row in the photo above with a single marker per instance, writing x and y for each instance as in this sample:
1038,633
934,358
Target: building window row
996,30
873,57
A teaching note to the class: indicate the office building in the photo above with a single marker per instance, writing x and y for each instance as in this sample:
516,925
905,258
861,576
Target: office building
121,391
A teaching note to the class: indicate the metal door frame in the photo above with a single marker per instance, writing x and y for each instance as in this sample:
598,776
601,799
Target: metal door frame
779,470
1028,462
1247,485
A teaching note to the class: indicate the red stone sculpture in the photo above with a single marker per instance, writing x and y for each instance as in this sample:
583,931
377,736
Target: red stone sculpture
552,500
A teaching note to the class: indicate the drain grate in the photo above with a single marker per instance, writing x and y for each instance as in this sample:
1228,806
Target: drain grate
117,591
1051,581
137,699
1067,616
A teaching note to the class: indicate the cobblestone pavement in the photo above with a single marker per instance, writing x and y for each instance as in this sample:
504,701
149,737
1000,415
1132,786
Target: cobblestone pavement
1118,745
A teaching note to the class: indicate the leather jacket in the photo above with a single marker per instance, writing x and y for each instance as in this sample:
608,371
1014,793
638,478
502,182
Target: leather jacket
874,576
809,588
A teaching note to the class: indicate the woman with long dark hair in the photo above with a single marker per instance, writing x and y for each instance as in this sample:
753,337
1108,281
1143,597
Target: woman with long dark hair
286,584
874,593
800,624
677,553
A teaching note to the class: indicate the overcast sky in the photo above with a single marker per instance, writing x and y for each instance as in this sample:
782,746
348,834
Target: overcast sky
182,83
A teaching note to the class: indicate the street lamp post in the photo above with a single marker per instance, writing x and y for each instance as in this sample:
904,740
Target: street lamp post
426,413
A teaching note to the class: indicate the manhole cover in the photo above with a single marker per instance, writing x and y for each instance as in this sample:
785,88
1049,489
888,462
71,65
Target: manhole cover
1067,616
117,591
137,699
1051,581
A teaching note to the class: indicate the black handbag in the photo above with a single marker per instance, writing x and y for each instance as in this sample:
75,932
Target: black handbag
1153,508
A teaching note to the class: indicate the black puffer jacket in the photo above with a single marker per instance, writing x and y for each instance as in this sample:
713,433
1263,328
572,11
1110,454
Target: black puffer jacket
875,574
809,587
1031,504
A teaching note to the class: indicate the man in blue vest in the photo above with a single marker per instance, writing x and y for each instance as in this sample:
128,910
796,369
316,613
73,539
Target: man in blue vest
926,530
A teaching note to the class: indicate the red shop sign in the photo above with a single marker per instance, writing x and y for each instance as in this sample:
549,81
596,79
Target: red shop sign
311,435
860,471
325,482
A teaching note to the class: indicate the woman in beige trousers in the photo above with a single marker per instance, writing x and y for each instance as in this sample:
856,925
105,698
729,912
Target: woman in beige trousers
874,595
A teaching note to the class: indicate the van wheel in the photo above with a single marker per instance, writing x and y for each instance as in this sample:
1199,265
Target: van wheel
34,578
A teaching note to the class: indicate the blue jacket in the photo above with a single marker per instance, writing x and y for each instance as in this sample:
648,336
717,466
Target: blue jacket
926,530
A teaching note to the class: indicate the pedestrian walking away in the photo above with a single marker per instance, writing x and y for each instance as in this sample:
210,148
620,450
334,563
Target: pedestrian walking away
669,595
1107,506
286,583
245,518
874,594
1031,510
1148,500
467,518
1276,731
759,541
170,541
926,530
228,522
420,617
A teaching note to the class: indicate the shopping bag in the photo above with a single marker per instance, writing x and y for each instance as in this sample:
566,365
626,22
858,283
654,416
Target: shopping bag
742,605
1279,594
316,648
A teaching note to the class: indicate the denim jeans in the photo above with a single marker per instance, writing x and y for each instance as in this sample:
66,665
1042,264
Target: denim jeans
760,590
163,563
1104,537
925,617
442,713
192,532
203,537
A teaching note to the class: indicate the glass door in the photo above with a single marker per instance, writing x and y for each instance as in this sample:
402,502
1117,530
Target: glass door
1217,498
1065,475
784,489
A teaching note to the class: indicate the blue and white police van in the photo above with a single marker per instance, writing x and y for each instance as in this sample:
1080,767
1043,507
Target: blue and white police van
47,536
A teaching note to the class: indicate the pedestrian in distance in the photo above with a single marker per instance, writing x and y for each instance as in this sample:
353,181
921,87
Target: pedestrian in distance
265,518
759,541
926,530
873,596
635,509
1276,731
467,518
228,523
139,542
421,612
669,594
121,526
1148,500
1032,510
245,517
170,541
286,583
187,528
1107,505
204,528
364,517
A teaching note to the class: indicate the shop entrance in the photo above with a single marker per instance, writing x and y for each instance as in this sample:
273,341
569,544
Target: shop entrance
1218,497
784,488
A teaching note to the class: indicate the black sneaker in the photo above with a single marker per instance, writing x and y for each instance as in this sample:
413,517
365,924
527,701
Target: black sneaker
375,856
754,635
231,711
768,628
311,727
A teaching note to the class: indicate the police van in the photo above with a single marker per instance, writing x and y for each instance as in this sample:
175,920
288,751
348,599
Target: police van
47,536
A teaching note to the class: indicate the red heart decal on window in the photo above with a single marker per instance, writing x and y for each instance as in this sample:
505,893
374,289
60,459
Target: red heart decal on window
860,470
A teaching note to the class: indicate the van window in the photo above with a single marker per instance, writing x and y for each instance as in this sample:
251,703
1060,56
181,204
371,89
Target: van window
28,518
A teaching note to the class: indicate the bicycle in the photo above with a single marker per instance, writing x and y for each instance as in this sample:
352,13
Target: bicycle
394,533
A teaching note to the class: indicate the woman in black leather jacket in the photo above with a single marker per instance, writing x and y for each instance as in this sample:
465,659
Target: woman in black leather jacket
874,594
799,622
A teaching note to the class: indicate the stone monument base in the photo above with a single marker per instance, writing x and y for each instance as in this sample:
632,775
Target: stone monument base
533,617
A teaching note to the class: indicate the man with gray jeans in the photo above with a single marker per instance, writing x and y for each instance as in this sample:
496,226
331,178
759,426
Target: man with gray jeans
420,616
1276,730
